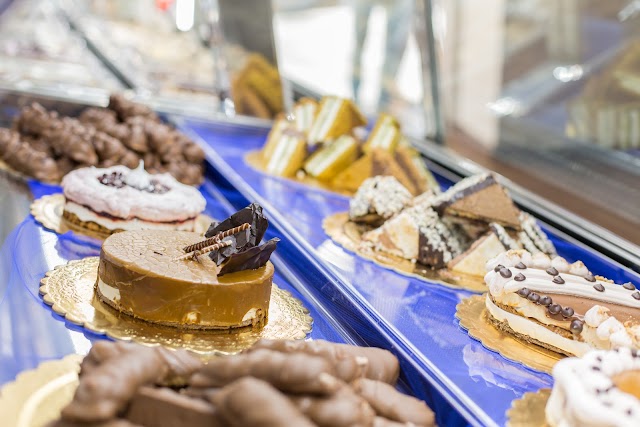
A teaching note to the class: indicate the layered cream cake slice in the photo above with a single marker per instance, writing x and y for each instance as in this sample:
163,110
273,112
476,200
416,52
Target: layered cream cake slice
304,113
335,117
385,134
532,238
600,389
332,158
377,200
479,198
118,198
560,306
285,154
417,234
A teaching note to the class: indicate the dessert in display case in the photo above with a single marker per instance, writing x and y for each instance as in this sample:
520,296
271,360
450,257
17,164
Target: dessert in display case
323,268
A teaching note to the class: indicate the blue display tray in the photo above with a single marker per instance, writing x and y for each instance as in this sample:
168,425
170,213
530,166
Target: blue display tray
417,316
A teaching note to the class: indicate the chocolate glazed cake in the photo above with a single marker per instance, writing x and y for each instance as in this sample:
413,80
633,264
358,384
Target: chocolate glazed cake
175,278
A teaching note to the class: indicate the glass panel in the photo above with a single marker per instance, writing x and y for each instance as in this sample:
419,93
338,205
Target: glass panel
366,50
547,92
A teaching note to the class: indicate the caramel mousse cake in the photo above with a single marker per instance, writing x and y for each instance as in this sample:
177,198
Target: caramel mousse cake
600,389
560,306
175,278
118,198
275,383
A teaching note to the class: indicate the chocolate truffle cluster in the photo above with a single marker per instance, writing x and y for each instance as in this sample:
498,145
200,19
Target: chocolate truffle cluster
275,383
46,146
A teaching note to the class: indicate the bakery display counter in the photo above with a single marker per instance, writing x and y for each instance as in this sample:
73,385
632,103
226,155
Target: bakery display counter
420,316
33,331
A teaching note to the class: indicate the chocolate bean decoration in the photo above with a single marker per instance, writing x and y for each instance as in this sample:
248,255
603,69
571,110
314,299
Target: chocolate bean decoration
590,278
546,301
533,297
636,295
523,292
505,272
552,271
498,267
629,286
559,280
576,326
519,277
555,308
599,287
521,266
567,312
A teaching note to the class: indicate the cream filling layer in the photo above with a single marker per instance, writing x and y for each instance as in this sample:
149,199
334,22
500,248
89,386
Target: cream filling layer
87,215
320,163
526,327
108,292
325,120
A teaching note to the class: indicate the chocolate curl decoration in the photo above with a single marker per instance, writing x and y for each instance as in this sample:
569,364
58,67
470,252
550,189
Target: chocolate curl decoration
250,259
251,214
218,237
195,254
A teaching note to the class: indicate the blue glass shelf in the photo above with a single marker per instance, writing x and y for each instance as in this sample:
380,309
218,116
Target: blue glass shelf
418,317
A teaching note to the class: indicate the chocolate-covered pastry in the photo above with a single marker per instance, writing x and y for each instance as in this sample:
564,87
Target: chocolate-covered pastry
125,108
266,406
164,407
341,409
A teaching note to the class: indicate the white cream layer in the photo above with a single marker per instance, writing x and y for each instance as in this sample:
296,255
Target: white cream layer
108,292
526,327
181,202
87,215
325,119
584,396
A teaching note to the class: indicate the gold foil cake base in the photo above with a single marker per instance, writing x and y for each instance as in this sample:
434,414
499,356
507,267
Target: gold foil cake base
254,160
37,396
69,290
47,210
473,317
349,235
528,411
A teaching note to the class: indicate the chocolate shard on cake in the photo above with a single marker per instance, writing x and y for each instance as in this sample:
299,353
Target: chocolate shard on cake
416,233
243,250
479,197
378,199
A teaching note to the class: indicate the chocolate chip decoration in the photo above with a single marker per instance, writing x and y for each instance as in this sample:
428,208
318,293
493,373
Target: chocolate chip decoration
498,267
505,272
599,287
559,280
552,271
590,278
519,277
521,266
636,295
629,286
533,297
576,326
567,312
546,301
555,308
523,292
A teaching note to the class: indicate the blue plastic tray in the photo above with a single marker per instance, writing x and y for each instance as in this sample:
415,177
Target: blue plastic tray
417,316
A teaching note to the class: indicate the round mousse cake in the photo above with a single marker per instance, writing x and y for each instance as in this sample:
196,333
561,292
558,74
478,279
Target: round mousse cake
145,274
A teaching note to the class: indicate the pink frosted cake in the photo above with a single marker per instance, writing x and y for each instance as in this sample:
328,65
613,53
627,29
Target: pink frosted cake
119,198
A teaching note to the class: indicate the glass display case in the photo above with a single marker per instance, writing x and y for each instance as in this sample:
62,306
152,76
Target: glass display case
544,93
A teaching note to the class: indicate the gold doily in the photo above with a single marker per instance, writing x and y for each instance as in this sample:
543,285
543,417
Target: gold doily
37,396
473,317
47,210
69,290
528,411
349,235
254,160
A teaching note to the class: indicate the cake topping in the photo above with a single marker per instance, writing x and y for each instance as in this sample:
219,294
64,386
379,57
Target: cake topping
520,266
380,196
505,272
598,287
533,297
243,251
555,308
523,292
519,277
590,278
552,271
559,280
636,295
138,178
546,301
576,326
629,286
498,267
567,312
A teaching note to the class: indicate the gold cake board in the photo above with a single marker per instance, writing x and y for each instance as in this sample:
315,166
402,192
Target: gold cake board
37,396
529,410
47,210
349,235
472,314
69,290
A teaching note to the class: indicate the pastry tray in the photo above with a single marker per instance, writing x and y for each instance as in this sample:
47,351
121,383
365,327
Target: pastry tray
30,332
418,317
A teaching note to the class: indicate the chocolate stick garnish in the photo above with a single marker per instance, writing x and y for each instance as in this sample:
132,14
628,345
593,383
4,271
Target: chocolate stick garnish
195,254
216,238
